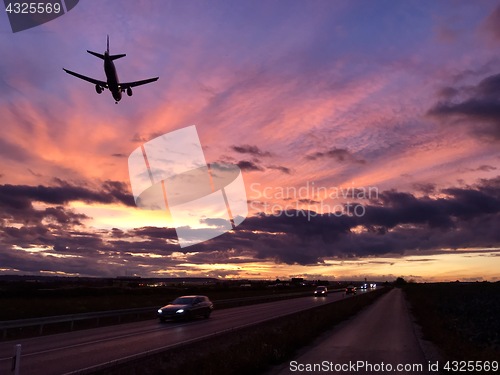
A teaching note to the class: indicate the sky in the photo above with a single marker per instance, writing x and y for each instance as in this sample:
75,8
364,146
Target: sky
367,134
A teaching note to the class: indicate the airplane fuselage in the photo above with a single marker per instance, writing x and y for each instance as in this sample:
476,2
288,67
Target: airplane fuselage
112,78
112,83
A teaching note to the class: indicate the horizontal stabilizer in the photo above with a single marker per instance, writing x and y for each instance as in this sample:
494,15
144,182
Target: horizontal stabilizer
96,54
114,57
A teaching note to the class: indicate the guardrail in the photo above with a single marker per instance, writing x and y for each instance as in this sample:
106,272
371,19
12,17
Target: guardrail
71,318
119,314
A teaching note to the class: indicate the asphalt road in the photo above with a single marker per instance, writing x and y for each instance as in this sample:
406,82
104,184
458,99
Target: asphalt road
62,353
381,335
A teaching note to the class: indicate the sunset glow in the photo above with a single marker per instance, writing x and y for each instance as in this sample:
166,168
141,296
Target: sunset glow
367,134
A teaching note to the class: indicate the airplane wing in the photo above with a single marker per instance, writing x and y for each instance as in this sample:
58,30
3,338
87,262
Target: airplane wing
126,85
88,79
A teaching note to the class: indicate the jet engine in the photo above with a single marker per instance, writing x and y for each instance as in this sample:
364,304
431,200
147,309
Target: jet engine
129,91
98,89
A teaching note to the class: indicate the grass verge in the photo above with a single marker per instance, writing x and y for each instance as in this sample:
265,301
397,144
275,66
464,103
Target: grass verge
461,319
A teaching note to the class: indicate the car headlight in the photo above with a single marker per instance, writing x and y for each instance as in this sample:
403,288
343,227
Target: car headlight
160,311
180,311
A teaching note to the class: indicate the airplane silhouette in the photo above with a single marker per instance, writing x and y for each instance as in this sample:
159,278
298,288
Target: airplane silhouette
112,83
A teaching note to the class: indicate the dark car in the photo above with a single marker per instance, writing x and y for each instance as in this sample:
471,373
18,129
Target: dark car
186,307
321,291
351,289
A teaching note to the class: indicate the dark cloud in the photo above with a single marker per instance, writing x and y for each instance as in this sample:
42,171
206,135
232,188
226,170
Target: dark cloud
37,263
255,165
153,232
470,203
397,223
23,195
339,154
280,168
426,188
393,224
480,111
252,150
34,173
119,192
491,186
12,151
54,226
489,87
448,92
397,208
142,138
481,168
249,166
308,201
137,138
486,110
156,246
486,168
232,256
492,23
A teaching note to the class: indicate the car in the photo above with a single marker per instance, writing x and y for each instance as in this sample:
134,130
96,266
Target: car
186,307
321,291
351,289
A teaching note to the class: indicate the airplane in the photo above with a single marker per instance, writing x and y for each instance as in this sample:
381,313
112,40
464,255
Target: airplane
112,83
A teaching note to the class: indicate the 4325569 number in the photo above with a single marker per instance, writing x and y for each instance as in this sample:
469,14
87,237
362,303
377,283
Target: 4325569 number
468,366
34,8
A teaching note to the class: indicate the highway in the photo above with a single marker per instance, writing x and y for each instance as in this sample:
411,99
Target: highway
67,352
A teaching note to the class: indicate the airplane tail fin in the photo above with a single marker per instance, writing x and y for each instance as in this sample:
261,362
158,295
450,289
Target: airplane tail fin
113,57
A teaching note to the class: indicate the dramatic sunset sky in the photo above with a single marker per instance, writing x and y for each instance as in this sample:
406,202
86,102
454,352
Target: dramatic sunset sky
317,102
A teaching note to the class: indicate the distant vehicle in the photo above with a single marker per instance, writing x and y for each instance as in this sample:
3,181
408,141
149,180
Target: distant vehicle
351,289
111,83
364,286
186,307
321,291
